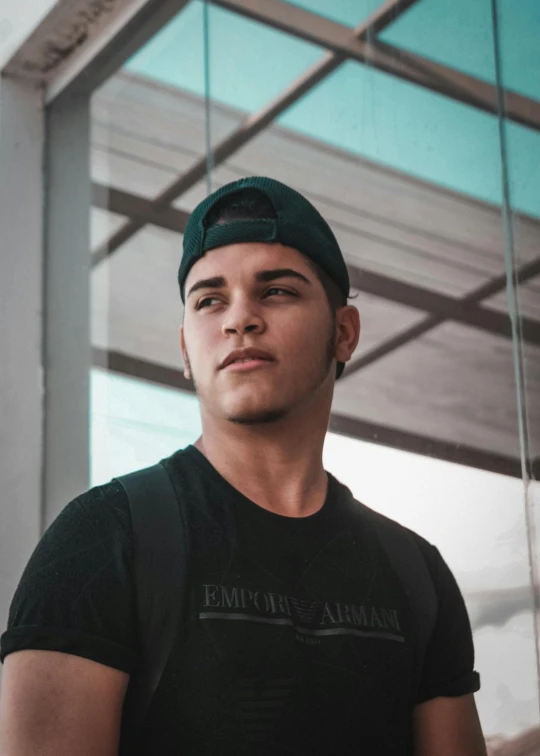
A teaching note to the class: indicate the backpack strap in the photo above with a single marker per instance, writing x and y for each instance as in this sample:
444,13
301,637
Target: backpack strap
410,566
160,569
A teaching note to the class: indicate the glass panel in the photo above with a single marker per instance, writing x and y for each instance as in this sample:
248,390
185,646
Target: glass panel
245,80
148,120
410,181
458,33
103,224
435,387
529,300
136,308
148,128
136,423
521,155
524,148
143,136
428,136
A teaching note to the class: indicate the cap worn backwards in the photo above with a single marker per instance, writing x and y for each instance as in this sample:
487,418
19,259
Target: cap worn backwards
298,224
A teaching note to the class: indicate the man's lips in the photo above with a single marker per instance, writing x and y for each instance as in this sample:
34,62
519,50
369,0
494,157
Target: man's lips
251,364
247,353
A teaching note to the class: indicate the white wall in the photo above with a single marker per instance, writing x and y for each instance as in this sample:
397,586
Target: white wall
21,200
17,21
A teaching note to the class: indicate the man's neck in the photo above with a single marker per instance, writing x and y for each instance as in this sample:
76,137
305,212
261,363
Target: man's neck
286,476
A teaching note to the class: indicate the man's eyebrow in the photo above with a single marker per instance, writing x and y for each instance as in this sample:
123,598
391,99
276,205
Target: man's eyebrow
208,283
262,276
271,275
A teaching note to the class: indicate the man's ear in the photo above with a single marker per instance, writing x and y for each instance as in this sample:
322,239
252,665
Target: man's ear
185,358
348,327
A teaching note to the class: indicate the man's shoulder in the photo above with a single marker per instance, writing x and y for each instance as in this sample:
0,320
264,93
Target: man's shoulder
110,498
101,511
76,592
428,551
113,494
107,497
397,526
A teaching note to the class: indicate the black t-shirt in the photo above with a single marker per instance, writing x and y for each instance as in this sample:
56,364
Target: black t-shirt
296,636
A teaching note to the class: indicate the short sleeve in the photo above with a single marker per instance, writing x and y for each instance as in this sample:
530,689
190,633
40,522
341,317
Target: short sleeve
449,662
76,594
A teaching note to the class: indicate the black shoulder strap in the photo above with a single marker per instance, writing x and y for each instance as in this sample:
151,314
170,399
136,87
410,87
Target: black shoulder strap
411,567
160,568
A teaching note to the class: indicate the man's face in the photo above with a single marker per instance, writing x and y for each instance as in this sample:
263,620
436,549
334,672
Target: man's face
288,316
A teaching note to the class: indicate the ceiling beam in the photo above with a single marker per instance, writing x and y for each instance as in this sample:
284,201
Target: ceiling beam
359,45
465,88
446,308
314,28
249,127
458,309
424,445
387,58
488,289
138,208
125,364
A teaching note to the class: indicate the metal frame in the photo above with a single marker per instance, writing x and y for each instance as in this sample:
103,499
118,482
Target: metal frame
82,42
66,314
133,24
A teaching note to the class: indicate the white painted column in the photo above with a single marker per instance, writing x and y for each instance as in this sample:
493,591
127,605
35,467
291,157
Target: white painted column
67,351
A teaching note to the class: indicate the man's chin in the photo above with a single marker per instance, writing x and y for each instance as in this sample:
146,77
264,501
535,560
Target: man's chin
257,416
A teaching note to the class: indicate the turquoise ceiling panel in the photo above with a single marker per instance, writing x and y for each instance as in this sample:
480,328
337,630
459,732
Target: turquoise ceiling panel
459,34
524,168
348,12
175,55
423,134
240,76
358,109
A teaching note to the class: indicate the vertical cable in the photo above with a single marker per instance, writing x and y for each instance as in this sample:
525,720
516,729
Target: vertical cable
512,283
207,97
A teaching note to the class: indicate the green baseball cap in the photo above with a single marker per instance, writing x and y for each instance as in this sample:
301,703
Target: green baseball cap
297,224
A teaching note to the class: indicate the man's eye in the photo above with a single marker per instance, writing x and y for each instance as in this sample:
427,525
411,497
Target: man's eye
201,303
277,288
204,302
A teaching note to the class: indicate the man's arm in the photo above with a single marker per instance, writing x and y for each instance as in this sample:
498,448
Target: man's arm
448,727
56,704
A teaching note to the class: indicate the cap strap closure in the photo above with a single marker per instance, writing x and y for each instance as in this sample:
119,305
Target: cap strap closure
236,232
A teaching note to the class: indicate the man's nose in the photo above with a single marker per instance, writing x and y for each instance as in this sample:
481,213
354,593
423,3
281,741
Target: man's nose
242,319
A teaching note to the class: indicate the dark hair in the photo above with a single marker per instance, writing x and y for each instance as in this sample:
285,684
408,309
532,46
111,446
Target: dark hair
252,203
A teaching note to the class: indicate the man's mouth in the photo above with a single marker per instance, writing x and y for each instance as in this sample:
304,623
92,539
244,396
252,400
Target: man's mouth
248,363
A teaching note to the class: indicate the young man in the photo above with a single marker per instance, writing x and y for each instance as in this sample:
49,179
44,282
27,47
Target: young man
297,637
